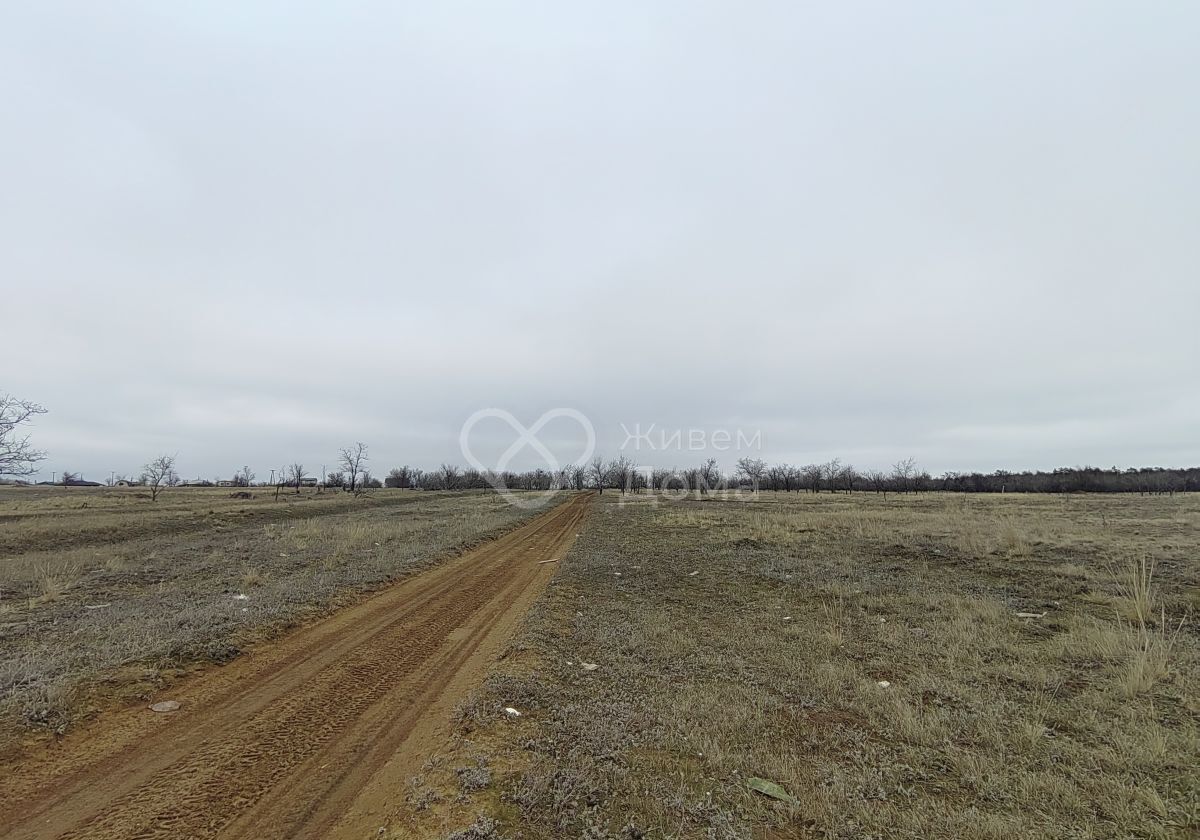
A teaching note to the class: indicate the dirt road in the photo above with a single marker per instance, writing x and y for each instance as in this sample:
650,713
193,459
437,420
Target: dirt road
311,736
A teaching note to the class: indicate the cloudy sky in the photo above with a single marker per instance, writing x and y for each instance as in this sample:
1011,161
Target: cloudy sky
256,232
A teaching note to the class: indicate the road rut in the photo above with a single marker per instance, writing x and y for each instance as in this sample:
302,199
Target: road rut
310,736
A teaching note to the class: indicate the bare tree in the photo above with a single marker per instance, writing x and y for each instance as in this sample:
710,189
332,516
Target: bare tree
753,469
160,473
562,478
793,478
399,477
832,471
17,457
812,475
578,476
639,479
708,476
903,473
296,475
620,474
448,476
68,478
351,460
664,479
598,473
777,477
878,480
243,477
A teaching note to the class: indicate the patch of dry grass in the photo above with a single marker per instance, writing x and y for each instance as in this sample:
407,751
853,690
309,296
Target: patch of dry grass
52,582
252,576
44,518
867,655
161,599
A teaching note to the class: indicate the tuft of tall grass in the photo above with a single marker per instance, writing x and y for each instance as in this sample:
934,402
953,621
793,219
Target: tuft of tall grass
1013,540
1135,585
52,583
252,576
835,621
1152,641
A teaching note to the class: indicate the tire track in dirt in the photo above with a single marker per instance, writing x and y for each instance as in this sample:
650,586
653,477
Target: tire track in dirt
308,737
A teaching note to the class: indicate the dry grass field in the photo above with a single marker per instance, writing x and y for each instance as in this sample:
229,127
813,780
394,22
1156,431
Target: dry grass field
934,666
105,595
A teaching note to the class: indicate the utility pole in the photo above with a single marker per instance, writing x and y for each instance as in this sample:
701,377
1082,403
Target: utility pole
272,475
53,477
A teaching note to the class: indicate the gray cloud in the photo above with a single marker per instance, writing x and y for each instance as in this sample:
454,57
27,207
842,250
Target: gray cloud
947,230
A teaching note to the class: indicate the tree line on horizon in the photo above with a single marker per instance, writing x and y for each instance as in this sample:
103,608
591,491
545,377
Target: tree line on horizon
622,475
18,458
905,476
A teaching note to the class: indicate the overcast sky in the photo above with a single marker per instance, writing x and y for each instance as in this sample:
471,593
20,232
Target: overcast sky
256,232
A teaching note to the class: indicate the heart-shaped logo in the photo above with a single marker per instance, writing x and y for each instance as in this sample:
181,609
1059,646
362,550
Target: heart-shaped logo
526,437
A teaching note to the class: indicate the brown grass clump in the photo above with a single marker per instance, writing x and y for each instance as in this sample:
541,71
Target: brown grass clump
52,583
835,618
253,577
1014,541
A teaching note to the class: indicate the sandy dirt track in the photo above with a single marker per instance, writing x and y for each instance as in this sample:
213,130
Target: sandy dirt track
310,736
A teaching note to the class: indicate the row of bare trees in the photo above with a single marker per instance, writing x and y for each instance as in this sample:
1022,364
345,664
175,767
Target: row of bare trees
19,458
624,476
754,474
907,477
1141,480
352,475
833,475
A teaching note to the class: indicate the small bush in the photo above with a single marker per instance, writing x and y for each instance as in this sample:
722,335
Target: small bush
484,828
